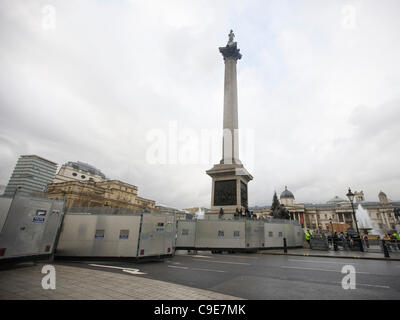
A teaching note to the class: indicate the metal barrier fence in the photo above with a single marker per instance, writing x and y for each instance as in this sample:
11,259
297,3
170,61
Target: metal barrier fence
385,247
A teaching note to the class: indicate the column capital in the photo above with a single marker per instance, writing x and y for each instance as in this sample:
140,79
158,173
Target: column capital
231,51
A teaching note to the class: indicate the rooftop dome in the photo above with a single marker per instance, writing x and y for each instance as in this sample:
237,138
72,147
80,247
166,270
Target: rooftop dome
287,194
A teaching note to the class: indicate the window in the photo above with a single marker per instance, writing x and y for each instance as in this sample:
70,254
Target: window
280,234
236,234
83,177
124,234
326,216
74,174
185,232
271,234
160,224
99,234
220,233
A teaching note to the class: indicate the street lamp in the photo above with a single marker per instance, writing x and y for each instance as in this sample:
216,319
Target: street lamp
350,195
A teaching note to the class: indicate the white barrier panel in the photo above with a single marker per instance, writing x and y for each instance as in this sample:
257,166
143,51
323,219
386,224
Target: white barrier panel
127,235
30,226
220,234
157,235
288,233
237,234
298,233
254,234
186,234
5,204
91,235
273,233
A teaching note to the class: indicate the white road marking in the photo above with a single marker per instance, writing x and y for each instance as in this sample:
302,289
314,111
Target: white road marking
178,267
229,262
315,261
316,269
369,285
242,257
198,256
199,269
372,285
128,270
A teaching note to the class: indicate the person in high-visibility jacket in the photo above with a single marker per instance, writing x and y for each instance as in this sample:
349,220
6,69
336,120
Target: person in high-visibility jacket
308,235
397,235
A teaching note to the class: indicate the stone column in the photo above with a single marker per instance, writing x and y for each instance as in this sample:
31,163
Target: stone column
230,145
229,177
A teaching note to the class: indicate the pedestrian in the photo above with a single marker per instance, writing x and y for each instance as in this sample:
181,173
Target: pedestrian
308,237
221,213
236,215
386,240
344,241
349,241
365,238
335,239
397,235
393,241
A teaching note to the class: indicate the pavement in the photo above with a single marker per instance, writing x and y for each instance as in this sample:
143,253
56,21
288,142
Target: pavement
256,276
77,283
394,255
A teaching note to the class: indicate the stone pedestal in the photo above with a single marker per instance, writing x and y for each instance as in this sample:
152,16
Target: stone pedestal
229,188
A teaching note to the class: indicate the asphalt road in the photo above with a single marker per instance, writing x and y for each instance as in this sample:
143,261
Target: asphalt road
262,276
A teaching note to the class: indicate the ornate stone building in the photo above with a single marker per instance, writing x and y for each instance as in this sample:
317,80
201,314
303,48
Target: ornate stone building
108,193
336,213
78,171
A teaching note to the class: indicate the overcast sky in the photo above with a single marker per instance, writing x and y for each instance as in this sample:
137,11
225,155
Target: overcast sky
112,82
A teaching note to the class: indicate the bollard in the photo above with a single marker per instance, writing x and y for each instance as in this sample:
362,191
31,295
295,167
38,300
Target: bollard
284,245
385,249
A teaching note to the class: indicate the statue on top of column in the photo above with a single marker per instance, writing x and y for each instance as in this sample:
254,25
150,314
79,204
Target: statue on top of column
231,37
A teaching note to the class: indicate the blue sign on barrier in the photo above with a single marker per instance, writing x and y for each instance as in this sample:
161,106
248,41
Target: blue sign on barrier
37,219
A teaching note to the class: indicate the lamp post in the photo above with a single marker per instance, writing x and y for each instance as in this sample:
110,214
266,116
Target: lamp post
350,195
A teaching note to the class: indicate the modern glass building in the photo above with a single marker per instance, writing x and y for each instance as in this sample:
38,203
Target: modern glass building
31,174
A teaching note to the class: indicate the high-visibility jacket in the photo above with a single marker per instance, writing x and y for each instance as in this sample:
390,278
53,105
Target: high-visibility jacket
397,235
308,235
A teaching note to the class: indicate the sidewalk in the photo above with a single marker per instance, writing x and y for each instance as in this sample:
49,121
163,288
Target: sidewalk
74,283
394,256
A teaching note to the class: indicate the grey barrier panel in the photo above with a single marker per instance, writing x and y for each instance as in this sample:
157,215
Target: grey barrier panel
220,234
254,234
91,235
31,227
274,234
319,244
124,235
5,204
157,235
186,234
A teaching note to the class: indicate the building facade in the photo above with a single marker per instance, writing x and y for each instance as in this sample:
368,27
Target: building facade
108,193
31,174
337,213
78,171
